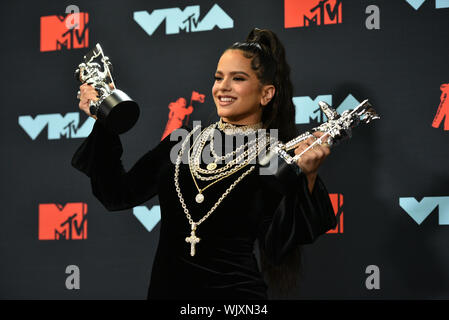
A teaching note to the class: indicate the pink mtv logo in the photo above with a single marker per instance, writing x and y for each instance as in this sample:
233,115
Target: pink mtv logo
57,32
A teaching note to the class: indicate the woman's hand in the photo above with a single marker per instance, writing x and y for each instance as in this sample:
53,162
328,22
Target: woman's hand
87,93
311,160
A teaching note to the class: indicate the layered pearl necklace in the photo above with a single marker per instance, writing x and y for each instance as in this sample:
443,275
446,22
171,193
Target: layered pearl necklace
212,173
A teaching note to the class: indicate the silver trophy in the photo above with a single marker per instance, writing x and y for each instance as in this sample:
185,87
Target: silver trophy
336,128
114,108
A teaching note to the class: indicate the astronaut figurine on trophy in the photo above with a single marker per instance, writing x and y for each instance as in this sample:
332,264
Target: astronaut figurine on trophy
114,108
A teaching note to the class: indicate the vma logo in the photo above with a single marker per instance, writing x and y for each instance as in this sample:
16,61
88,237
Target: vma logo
443,108
58,126
439,4
148,217
306,13
58,222
308,109
69,32
179,113
187,20
420,210
337,205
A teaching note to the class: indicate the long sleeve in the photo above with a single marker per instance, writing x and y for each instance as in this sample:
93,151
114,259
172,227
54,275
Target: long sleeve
99,157
300,218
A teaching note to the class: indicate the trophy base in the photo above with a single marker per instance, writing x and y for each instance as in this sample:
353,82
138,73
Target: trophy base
118,112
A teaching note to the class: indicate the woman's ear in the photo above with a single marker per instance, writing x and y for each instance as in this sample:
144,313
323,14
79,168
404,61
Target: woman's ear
268,92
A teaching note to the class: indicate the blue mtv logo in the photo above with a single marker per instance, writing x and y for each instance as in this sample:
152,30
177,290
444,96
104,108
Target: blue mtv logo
148,217
308,109
58,126
420,210
187,19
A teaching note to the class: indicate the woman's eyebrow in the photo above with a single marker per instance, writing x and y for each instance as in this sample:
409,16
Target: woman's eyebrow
234,73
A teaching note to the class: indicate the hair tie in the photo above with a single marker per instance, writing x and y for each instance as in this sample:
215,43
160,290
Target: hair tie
249,45
257,44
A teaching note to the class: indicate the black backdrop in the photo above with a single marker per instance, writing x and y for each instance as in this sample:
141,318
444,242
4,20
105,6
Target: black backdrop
399,67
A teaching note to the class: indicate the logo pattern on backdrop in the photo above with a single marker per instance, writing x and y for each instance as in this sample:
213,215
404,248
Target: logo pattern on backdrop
179,114
420,210
187,20
307,109
57,125
58,34
63,222
337,205
439,4
443,108
308,13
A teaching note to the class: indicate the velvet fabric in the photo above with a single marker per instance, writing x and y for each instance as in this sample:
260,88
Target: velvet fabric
277,210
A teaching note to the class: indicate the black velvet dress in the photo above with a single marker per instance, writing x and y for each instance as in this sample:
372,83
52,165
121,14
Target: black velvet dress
278,210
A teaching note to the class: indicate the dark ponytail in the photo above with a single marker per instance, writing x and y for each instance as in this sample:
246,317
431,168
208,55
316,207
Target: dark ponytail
270,65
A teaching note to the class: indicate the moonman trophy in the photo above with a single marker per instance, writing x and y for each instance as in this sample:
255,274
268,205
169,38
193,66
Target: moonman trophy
114,108
337,128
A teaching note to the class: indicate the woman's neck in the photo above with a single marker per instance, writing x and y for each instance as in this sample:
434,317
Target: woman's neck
242,122
229,128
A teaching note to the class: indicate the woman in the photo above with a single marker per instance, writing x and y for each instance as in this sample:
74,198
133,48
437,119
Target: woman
209,225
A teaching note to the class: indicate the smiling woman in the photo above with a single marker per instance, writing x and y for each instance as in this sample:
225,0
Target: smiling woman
214,212
238,93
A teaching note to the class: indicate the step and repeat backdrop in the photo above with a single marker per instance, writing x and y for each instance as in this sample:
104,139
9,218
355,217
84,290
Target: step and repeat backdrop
389,184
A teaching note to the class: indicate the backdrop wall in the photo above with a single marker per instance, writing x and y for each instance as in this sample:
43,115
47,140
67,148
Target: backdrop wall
389,182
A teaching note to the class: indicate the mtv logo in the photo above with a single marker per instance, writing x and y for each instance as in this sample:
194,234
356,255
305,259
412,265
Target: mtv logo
420,210
57,33
305,13
187,19
58,222
337,205
58,126
308,109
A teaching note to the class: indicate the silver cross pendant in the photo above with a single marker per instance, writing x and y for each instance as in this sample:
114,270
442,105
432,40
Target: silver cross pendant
193,240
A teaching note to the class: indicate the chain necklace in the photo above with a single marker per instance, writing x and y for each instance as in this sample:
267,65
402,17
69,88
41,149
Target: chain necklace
198,149
254,147
213,165
229,168
221,173
193,239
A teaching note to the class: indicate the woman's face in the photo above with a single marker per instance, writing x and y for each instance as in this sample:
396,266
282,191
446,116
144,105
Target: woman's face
238,94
